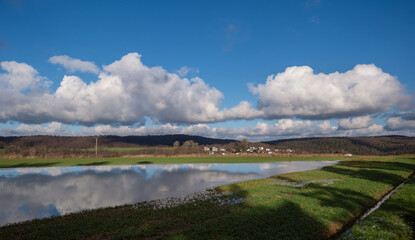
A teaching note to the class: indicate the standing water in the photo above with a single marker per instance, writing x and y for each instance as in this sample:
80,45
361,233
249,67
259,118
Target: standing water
29,193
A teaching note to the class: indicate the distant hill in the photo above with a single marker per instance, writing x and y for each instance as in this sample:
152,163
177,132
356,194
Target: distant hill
166,140
105,141
382,145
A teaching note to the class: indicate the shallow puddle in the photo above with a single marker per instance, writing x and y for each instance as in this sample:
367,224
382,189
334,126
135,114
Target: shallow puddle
28,193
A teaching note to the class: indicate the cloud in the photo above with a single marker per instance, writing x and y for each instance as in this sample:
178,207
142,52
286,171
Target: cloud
283,128
371,130
359,126
243,110
126,92
408,115
19,76
400,123
74,65
52,128
127,130
163,96
299,92
20,87
261,131
183,71
355,123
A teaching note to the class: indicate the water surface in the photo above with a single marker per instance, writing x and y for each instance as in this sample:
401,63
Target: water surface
28,193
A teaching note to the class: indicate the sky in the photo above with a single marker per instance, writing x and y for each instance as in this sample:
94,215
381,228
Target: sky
261,70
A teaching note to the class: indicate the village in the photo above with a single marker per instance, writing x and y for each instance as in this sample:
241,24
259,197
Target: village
251,150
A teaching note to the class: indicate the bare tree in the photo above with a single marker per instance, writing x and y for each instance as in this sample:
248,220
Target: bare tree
244,143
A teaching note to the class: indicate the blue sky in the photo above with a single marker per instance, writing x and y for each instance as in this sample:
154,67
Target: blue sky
231,47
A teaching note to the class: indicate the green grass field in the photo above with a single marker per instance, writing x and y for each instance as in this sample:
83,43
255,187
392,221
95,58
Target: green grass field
116,149
308,205
395,219
46,162
124,149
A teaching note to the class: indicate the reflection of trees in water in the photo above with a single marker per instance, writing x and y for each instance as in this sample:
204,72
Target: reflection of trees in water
33,196
60,191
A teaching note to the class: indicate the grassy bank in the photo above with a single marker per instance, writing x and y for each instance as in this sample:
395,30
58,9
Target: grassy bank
395,219
50,162
307,205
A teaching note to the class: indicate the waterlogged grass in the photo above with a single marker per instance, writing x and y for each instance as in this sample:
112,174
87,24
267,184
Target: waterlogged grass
45,162
307,205
395,219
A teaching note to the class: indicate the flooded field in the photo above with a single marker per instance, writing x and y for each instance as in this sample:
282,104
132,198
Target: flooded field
28,193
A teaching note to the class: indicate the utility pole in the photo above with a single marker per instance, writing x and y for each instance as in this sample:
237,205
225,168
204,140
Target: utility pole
96,147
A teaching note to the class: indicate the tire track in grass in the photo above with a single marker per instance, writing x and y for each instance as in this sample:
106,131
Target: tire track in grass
382,221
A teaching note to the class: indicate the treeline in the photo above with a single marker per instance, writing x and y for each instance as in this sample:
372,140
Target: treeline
106,141
55,147
188,147
382,145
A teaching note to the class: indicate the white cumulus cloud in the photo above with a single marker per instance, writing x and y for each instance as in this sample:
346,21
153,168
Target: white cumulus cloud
355,123
399,123
125,92
300,92
128,92
19,76
73,64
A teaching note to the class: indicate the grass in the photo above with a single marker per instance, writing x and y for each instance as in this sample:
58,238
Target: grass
395,219
46,162
308,205
125,149
116,149
1,152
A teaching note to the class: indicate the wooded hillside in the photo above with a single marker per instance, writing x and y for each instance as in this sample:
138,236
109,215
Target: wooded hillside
382,145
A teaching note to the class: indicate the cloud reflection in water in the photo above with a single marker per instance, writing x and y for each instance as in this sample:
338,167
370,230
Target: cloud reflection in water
28,193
